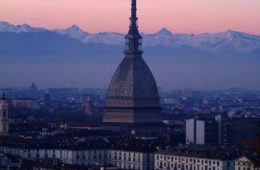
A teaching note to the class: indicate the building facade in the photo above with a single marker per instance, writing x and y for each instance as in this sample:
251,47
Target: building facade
25,103
235,131
195,158
201,131
4,121
244,163
176,162
122,159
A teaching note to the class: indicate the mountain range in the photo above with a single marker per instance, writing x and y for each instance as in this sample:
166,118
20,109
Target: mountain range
209,60
211,42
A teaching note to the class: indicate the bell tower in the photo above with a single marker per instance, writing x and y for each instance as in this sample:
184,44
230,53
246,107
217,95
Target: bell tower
4,122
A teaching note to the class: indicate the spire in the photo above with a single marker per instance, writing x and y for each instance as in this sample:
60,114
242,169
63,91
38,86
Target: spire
133,38
133,18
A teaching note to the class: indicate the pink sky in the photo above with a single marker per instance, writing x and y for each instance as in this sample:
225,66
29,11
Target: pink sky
181,16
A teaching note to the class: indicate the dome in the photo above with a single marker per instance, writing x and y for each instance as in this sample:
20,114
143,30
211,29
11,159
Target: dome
132,95
133,80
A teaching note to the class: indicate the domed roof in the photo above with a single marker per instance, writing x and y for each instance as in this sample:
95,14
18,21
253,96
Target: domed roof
133,80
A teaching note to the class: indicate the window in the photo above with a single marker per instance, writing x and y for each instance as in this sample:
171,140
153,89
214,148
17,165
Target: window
228,164
161,165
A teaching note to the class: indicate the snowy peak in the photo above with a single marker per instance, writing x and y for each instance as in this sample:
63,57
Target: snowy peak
163,37
240,41
164,32
70,30
74,28
6,27
73,31
230,35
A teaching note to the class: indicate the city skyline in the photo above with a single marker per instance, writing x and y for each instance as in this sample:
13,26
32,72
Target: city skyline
175,15
174,102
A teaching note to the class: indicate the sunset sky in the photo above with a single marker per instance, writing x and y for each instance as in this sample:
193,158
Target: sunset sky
181,16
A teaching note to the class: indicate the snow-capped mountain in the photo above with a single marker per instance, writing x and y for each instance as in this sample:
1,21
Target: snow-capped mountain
239,41
211,42
6,27
105,38
74,32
